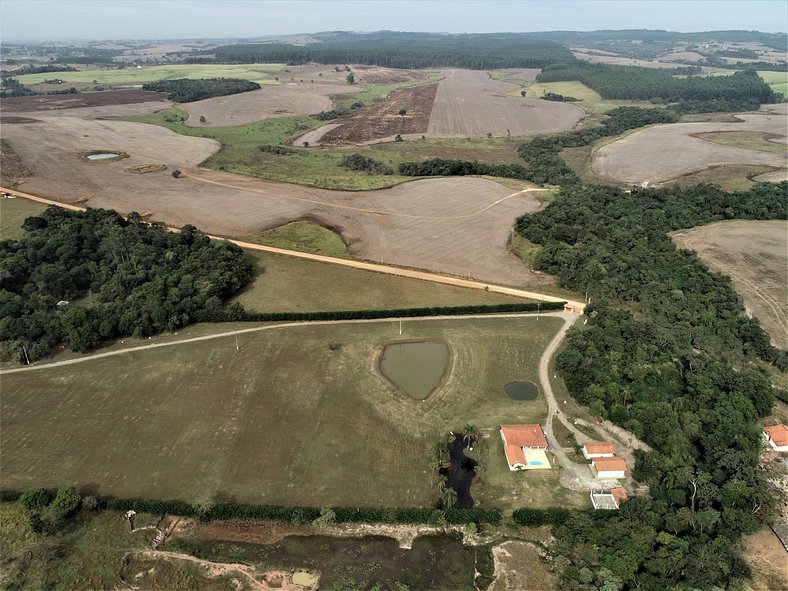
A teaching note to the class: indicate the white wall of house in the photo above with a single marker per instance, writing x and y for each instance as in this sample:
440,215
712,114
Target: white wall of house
773,445
589,456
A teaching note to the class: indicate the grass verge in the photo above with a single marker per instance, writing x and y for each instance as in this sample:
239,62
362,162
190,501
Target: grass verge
13,213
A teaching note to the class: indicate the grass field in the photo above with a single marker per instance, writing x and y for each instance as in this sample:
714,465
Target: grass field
778,81
752,140
285,283
12,213
295,416
261,73
732,177
305,237
319,167
588,98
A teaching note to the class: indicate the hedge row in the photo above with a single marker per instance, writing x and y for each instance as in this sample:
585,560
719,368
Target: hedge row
304,514
235,314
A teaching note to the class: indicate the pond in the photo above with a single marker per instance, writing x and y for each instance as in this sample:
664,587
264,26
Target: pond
102,156
438,562
460,473
521,391
417,368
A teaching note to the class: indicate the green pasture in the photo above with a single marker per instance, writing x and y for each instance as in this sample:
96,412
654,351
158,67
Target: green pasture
12,213
751,140
305,237
319,166
261,73
292,415
285,284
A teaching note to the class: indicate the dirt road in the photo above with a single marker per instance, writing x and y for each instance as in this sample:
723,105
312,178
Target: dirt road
284,325
576,306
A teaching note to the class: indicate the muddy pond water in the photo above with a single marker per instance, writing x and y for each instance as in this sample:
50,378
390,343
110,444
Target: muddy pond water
521,391
417,368
434,562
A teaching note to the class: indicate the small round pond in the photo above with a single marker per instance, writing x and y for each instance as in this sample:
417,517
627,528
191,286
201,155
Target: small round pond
415,367
521,391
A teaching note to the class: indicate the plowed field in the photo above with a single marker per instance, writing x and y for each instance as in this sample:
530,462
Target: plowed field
754,254
293,98
458,226
383,119
659,154
471,104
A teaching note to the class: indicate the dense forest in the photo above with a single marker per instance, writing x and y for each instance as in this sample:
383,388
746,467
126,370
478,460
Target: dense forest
407,50
739,91
187,91
118,277
669,355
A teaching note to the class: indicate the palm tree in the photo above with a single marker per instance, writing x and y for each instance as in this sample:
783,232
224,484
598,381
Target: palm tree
449,497
441,480
468,435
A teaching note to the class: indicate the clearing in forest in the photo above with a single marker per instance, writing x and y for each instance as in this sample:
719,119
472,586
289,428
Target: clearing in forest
291,415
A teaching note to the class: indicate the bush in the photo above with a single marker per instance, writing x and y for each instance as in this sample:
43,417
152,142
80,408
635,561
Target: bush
35,499
67,500
536,517
368,165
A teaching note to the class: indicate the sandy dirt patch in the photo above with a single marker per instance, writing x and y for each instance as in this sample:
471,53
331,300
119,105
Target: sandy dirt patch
754,254
767,558
285,100
471,104
661,153
456,226
383,119
518,566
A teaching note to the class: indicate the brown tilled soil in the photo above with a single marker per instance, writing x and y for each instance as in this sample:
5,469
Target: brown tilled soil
754,254
285,100
12,169
458,226
471,104
85,99
664,152
379,75
383,119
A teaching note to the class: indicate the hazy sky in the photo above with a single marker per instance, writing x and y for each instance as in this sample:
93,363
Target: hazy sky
178,19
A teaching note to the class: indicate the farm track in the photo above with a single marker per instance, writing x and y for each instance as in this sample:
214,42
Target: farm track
232,333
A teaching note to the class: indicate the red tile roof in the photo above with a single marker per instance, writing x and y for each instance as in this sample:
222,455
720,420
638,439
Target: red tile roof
524,435
599,448
619,494
514,455
609,464
778,433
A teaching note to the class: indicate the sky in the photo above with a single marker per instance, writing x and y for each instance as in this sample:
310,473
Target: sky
51,20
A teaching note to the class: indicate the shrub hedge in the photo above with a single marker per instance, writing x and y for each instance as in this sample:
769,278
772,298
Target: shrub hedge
235,314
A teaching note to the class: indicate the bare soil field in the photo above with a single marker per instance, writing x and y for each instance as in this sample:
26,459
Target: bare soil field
659,154
458,226
754,254
12,169
85,99
767,558
690,56
380,75
286,100
469,103
383,119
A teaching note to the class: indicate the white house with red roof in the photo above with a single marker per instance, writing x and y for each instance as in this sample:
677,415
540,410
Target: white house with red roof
596,449
776,437
524,447
609,467
608,499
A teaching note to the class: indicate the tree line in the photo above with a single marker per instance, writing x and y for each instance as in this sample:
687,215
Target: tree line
739,91
79,278
669,355
186,91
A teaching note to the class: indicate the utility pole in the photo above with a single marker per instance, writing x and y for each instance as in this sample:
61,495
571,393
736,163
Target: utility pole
400,326
236,342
